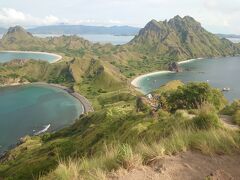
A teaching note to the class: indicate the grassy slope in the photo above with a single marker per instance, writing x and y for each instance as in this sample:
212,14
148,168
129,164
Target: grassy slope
98,72
115,136
81,67
157,44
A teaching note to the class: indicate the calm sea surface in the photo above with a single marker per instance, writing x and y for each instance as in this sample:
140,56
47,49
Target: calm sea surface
8,56
219,72
28,109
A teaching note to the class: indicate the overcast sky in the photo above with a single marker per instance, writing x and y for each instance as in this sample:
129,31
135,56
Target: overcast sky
221,16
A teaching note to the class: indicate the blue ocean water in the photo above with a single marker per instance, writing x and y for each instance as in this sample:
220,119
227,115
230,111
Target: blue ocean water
219,72
28,109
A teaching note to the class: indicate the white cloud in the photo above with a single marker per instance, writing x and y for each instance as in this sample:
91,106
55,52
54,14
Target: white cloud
215,15
12,17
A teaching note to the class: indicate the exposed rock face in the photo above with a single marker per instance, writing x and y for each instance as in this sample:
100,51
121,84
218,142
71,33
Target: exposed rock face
173,66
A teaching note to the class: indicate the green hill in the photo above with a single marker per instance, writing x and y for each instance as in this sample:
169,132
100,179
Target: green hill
119,136
80,67
127,130
181,38
18,38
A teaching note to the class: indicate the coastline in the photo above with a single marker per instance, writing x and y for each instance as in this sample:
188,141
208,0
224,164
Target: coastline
189,60
58,57
136,80
14,84
86,105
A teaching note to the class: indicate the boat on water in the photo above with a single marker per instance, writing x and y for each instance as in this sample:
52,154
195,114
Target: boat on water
226,89
43,130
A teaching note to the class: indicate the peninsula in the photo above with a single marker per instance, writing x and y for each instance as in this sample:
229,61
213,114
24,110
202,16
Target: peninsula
170,134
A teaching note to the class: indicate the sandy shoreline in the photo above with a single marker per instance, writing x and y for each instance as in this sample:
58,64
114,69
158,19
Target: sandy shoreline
86,105
38,52
189,60
135,82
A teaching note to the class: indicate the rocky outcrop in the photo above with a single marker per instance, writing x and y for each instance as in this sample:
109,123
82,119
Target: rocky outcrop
174,66
12,80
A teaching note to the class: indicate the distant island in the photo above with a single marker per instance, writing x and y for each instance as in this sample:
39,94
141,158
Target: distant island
228,35
82,29
3,30
180,125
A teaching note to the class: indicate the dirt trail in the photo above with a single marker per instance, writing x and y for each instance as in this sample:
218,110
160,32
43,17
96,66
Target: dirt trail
187,166
228,122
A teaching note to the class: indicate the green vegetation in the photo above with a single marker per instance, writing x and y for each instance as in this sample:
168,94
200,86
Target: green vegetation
236,117
233,110
191,96
118,136
126,130
206,120
157,44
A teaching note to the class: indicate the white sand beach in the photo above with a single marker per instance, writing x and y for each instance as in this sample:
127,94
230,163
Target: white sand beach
189,60
135,82
58,57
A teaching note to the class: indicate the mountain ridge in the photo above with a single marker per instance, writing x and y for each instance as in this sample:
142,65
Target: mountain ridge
126,130
181,38
157,44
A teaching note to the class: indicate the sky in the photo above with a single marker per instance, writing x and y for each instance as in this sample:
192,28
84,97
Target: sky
218,16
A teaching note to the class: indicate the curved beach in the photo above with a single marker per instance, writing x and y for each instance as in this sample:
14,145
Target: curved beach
189,60
58,57
87,106
135,82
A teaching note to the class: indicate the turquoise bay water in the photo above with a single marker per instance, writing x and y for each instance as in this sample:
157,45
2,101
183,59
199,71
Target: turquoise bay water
24,109
219,72
8,56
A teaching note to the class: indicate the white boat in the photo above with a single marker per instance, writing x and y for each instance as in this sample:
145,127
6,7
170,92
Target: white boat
43,130
226,89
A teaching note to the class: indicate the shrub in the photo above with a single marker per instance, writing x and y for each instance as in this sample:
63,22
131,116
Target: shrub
193,96
163,114
236,117
232,108
142,105
181,114
206,120
45,137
